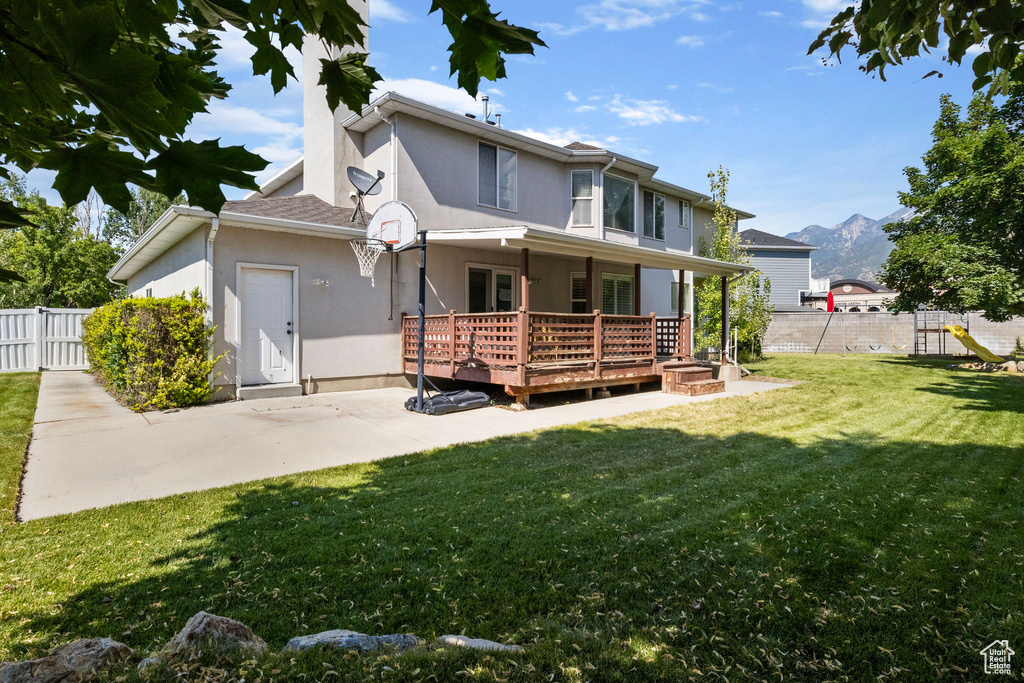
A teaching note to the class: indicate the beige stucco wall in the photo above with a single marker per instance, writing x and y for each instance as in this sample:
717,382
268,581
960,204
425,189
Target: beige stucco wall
343,329
181,268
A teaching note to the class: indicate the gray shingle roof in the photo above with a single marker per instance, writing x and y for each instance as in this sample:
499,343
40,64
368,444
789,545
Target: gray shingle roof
757,238
583,147
304,207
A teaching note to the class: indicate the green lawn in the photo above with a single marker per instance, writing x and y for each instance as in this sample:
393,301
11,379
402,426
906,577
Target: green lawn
18,393
865,524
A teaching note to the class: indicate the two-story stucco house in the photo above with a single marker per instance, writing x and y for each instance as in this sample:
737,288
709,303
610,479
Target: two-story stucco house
516,227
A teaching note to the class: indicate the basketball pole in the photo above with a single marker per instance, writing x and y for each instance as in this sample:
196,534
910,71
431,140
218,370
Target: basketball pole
421,323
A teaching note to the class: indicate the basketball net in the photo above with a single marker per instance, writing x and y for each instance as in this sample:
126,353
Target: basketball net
367,252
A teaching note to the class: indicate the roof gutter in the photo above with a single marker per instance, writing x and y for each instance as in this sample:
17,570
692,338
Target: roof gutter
394,153
600,206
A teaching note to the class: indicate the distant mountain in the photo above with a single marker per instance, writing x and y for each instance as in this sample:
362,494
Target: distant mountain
855,248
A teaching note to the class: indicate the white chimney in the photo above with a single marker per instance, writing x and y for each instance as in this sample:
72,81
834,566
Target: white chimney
327,148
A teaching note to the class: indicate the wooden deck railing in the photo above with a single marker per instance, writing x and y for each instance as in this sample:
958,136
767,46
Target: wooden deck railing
525,339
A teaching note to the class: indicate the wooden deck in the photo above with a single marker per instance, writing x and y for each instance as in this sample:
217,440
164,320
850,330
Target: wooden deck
531,352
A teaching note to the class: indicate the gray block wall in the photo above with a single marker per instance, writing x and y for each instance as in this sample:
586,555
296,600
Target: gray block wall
878,333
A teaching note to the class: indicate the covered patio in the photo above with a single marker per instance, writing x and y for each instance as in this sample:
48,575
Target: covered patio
529,351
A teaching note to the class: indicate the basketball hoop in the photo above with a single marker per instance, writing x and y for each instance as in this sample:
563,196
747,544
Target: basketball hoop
367,252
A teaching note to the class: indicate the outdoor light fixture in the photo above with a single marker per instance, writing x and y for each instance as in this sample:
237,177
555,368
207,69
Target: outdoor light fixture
322,282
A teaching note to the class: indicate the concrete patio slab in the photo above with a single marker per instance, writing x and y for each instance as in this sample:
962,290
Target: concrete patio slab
88,451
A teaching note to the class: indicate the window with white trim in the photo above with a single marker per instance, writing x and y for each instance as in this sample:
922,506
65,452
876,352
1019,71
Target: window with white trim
684,214
616,294
619,203
674,295
578,293
654,215
496,181
582,198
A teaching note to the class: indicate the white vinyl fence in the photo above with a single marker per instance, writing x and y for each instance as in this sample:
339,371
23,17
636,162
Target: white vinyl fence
42,339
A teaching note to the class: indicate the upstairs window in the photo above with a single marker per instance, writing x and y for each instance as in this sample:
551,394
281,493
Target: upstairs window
654,215
619,203
617,294
582,198
496,177
684,214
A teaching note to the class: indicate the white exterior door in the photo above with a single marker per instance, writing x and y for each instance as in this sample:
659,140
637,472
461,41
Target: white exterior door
267,326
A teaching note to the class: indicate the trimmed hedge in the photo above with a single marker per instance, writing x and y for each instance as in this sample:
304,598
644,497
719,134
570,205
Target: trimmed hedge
152,353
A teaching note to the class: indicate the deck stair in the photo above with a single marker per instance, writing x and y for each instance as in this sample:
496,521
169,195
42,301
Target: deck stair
690,380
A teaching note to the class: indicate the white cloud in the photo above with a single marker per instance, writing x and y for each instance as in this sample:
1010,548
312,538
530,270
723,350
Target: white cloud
623,15
822,12
572,98
647,112
585,108
437,94
386,10
772,13
228,118
563,136
715,88
690,41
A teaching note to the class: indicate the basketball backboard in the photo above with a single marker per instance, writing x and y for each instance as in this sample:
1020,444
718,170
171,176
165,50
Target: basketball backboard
394,225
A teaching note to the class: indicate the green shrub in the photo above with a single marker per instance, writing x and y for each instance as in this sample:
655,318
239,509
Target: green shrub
152,353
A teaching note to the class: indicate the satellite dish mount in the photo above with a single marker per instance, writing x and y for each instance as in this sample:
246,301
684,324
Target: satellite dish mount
365,184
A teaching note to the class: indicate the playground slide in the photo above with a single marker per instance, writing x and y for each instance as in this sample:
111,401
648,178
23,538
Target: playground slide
968,341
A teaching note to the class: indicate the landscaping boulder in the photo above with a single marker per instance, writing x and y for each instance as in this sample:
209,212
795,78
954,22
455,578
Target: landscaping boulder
72,662
352,640
1010,366
478,644
205,628
1020,366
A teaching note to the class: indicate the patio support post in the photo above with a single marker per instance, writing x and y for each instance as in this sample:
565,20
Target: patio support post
681,344
636,289
522,344
590,283
525,279
725,320
598,339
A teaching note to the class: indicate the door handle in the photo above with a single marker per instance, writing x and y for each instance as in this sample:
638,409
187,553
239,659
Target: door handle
289,331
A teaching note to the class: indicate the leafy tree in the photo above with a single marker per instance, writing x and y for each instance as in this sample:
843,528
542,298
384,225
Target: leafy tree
122,229
60,267
749,310
963,250
888,32
101,91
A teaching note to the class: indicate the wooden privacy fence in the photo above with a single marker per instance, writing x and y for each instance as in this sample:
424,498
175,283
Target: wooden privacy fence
538,340
42,339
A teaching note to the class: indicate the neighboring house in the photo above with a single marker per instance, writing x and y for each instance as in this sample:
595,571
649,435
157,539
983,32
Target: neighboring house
515,224
854,296
785,263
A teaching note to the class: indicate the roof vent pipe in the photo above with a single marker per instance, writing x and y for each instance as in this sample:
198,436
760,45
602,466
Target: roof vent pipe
487,106
498,116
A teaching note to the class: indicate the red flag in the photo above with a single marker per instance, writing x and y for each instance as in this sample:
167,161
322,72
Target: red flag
831,306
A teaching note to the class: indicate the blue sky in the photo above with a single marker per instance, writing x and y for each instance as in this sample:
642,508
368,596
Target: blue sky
684,84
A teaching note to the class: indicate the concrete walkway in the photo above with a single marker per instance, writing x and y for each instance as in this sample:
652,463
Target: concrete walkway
88,451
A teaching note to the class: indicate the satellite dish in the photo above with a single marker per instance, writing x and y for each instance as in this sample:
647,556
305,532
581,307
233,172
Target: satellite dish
364,182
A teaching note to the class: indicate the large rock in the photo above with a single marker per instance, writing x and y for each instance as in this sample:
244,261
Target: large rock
205,628
77,661
1020,366
352,640
478,644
